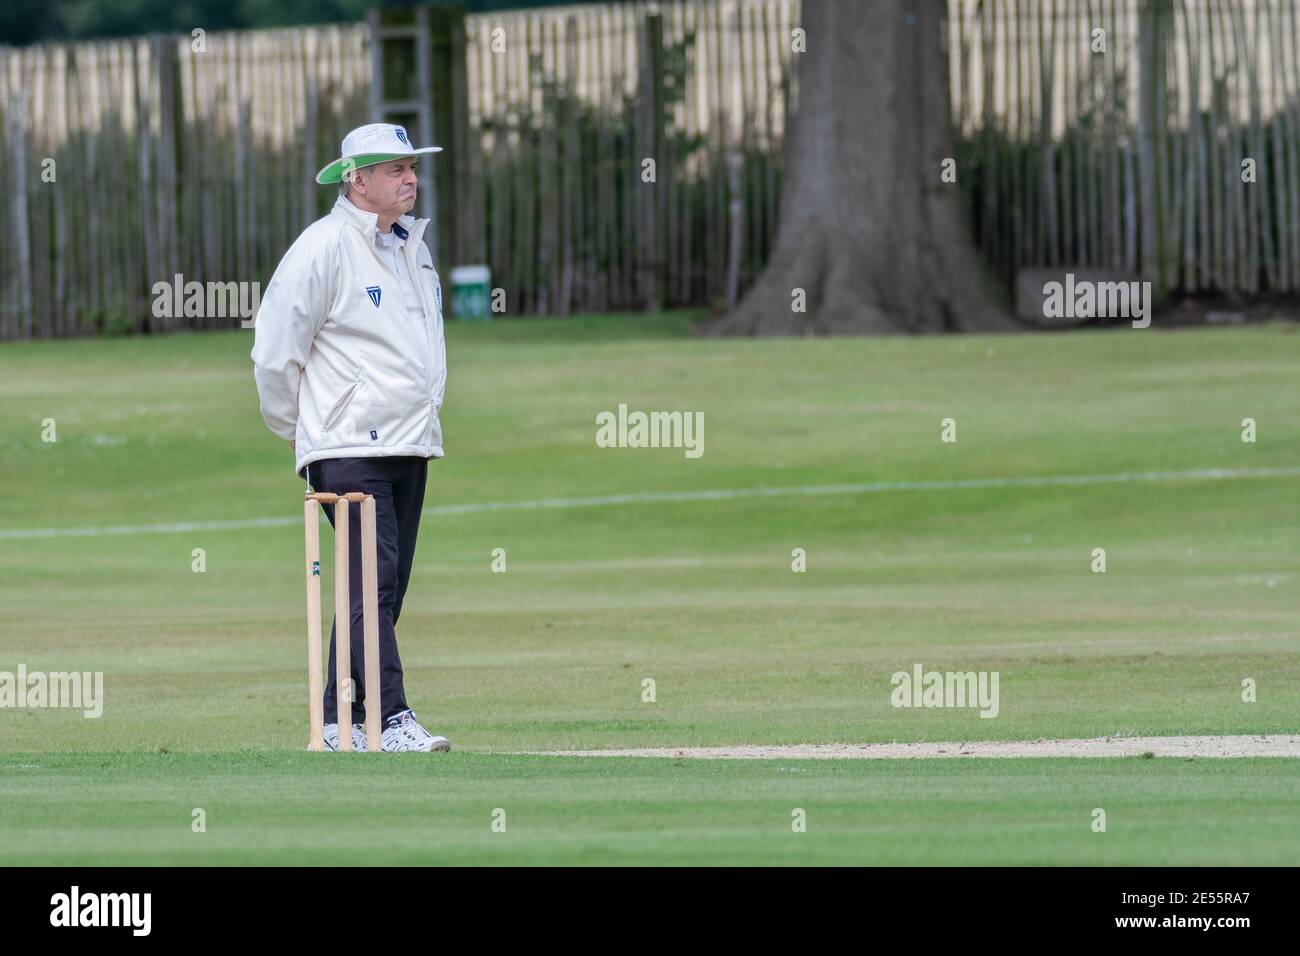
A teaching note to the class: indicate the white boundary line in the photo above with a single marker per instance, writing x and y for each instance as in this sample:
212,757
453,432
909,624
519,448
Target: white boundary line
651,497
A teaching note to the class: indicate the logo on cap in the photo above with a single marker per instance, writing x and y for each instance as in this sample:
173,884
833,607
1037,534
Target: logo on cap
401,134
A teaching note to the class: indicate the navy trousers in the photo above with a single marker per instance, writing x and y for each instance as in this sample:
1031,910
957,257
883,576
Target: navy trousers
398,487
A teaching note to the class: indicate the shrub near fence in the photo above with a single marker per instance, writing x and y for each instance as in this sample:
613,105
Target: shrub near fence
566,106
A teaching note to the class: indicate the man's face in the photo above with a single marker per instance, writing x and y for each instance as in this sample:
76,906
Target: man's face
388,187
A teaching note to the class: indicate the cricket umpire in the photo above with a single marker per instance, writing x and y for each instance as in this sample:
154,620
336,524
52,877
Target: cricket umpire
351,368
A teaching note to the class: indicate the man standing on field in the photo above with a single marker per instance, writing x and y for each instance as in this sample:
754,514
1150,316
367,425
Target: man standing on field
351,369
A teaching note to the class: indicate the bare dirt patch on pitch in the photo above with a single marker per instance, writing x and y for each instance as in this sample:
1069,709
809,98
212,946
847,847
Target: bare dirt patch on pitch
1274,745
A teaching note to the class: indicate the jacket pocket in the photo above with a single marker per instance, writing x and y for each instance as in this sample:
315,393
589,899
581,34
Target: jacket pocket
340,406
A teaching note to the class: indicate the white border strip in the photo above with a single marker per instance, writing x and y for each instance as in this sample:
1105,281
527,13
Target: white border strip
651,497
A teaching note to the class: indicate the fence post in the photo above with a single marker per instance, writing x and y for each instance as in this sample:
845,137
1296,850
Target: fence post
1151,65
649,140
22,230
730,42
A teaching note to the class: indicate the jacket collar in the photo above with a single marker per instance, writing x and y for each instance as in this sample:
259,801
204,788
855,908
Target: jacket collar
368,222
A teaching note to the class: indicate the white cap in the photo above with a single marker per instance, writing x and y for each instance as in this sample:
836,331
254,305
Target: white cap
368,145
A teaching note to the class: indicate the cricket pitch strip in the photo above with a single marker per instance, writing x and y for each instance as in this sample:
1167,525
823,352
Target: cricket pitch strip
1273,745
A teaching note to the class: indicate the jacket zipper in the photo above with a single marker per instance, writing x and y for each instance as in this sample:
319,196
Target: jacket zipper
414,267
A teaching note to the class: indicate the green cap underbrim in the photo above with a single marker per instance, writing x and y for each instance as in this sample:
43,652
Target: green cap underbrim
333,173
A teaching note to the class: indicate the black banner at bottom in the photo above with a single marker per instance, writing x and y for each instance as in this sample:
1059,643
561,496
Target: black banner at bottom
335,905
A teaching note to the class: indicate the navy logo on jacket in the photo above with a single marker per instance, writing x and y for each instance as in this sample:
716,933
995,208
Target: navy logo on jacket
374,292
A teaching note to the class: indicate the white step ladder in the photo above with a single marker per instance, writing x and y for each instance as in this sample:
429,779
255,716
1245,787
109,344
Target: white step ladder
416,113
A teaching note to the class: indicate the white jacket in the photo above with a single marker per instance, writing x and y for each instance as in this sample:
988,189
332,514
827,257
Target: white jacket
340,366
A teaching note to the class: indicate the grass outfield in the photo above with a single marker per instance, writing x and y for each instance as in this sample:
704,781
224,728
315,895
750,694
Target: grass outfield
274,808
204,690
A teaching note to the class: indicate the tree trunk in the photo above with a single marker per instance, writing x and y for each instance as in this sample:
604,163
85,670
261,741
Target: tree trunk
868,230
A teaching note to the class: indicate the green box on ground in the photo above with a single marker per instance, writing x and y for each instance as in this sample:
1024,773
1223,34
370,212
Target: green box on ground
470,287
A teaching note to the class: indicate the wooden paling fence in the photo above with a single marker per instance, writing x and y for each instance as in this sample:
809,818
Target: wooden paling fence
1171,155
169,159
166,160
130,161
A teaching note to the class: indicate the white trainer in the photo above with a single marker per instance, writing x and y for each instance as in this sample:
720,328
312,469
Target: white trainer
358,737
405,735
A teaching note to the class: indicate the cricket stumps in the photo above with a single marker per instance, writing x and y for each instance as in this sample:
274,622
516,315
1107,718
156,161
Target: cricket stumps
343,618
